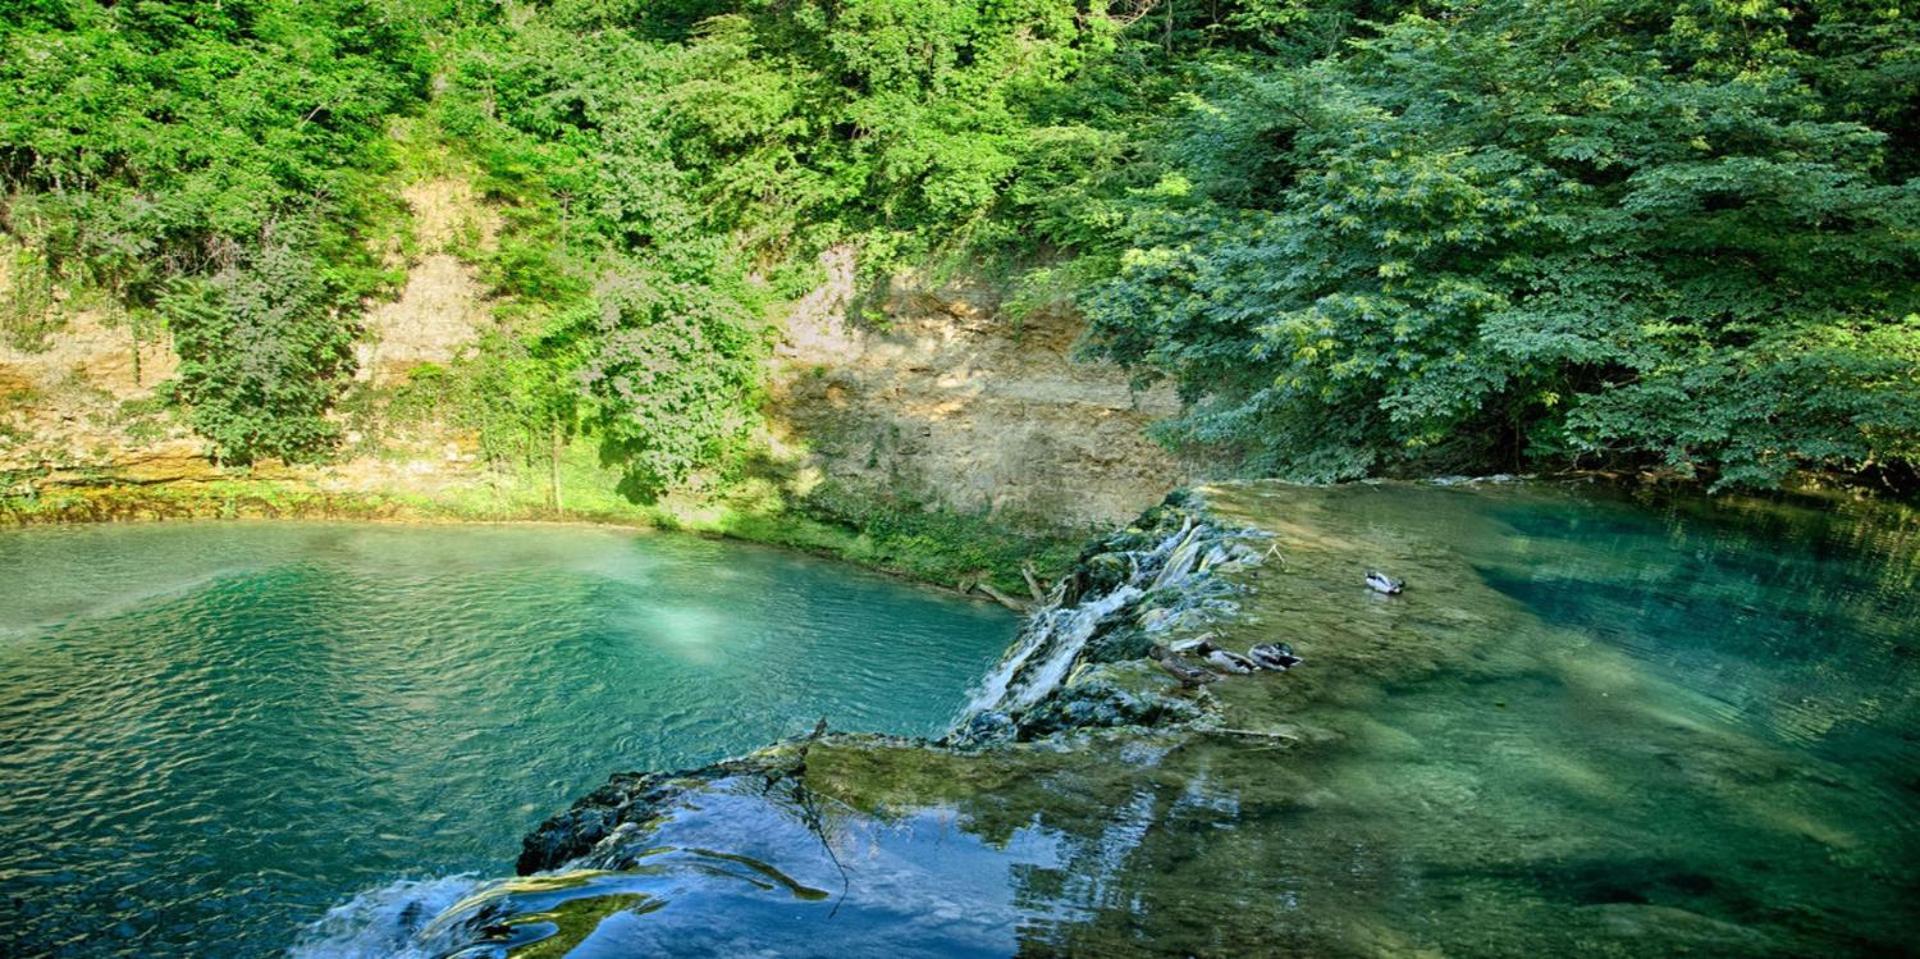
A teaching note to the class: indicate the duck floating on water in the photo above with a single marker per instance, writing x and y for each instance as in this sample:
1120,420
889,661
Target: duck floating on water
1187,673
1382,583
1199,645
1230,661
1278,657
1275,656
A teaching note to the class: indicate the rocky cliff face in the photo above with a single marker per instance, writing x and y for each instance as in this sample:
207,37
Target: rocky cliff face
937,398
81,399
442,308
943,398
80,402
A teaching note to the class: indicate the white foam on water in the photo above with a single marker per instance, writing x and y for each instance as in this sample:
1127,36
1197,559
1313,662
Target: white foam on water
383,923
1054,636
1067,638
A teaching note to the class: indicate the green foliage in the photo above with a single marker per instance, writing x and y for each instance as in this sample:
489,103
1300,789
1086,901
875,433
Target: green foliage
1610,232
776,128
27,317
134,136
171,152
1361,236
675,378
262,355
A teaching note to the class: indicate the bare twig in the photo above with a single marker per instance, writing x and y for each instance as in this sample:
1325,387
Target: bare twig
1258,734
1129,11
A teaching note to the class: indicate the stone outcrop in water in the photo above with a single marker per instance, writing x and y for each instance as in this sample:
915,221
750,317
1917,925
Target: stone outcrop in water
601,828
1086,658
628,800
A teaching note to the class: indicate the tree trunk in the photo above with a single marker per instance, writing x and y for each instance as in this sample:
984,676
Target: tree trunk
553,469
1002,598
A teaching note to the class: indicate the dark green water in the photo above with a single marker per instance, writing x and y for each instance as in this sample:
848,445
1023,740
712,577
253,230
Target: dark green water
209,734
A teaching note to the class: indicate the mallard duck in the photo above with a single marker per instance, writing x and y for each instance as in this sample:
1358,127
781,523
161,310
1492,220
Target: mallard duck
1274,656
1230,661
1199,645
1382,583
1187,673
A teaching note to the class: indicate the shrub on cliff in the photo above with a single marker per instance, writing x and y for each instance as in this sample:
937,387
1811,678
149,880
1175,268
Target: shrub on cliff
263,354
674,375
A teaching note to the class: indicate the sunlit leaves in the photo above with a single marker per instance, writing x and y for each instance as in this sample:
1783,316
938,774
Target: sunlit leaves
1606,233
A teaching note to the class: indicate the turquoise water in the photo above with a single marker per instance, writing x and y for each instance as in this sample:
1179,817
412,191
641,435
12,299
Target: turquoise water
211,733
1595,724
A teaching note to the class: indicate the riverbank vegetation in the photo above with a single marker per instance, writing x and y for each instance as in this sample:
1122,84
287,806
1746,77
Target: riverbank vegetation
1362,237
921,543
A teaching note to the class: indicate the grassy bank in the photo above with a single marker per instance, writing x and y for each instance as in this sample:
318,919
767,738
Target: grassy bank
940,547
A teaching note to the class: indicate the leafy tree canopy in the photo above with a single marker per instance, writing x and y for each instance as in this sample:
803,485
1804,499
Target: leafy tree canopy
1504,234
1362,237
217,163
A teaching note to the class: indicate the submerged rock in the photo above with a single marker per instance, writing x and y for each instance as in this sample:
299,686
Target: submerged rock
632,798
595,830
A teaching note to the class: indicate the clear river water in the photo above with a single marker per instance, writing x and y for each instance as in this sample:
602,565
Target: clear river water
1595,724
211,733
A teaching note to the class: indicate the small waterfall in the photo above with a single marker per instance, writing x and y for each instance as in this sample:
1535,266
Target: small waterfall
388,922
1108,583
1055,634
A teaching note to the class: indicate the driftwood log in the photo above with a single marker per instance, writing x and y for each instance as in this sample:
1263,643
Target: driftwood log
1034,584
1002,598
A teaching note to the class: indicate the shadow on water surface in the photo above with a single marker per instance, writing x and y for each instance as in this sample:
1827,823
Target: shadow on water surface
1591,726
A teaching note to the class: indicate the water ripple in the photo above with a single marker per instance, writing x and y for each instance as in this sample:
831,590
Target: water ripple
211,733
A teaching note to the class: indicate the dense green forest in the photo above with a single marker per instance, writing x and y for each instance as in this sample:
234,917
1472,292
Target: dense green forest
1362,237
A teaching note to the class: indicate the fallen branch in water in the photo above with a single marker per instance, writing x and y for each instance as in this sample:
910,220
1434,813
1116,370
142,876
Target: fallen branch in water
1002,598
1284,737
1033,583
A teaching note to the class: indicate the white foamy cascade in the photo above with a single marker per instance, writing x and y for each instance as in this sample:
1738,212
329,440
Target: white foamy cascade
1051,640
1044,653
384,923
